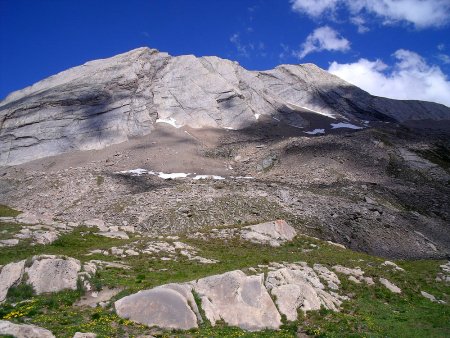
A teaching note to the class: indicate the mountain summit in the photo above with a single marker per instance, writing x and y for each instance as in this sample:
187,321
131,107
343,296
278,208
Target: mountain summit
108,101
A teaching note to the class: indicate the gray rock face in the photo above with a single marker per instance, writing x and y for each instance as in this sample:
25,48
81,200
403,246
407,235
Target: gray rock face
108,101
52,274
23,330
239,300
10,275
164,307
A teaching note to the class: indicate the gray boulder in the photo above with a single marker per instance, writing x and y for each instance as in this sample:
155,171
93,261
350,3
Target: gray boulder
166,307
10,275
53,274
23,330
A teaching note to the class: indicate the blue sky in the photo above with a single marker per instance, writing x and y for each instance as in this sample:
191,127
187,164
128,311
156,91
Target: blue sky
395,48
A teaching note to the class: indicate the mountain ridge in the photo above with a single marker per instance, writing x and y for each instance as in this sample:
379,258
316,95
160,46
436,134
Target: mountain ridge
109,101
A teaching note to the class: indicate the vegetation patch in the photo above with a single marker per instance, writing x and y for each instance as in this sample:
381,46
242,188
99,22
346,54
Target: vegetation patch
6,211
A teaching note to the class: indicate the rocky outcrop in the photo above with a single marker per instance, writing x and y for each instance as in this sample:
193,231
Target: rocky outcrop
273,233
23,330
46,273
236,298
108,101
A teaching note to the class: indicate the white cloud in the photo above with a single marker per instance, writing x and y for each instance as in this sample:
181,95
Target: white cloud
323,38
411,77
445,59
420,13
241,48
360,22
314,8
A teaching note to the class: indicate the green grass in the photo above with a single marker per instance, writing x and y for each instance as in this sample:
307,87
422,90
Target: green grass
6,211
75,244
8,229
371,311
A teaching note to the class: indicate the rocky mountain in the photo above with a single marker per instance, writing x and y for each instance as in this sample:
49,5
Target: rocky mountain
155,196
109,101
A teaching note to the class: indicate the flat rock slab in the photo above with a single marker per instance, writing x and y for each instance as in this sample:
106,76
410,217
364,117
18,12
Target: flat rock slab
162,307
10,275
53,274
239,300
23,330
273,233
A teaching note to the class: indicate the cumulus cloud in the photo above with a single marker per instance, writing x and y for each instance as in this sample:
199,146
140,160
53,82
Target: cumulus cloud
411,77
420,13
323,38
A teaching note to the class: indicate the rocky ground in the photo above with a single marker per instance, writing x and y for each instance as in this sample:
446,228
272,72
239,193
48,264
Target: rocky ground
189,216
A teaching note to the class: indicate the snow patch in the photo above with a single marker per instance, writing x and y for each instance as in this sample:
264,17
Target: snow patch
315,131
165,176
205,177
344,125
257,116
295,107
170,121
134,172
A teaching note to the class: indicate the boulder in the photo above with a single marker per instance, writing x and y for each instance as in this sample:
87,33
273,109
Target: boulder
273,233
53,274
10,275
166,307
390,286
23,330
239,300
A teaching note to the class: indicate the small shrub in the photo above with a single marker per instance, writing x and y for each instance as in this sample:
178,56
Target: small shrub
20,292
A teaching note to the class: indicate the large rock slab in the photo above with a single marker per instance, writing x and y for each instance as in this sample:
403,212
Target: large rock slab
23,330
273,233
238,300
166,307
10,275
53,274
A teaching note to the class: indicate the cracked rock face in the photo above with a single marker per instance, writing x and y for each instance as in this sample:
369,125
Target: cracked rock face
109,101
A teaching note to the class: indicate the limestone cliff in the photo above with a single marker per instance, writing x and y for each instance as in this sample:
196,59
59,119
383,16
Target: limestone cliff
108,101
